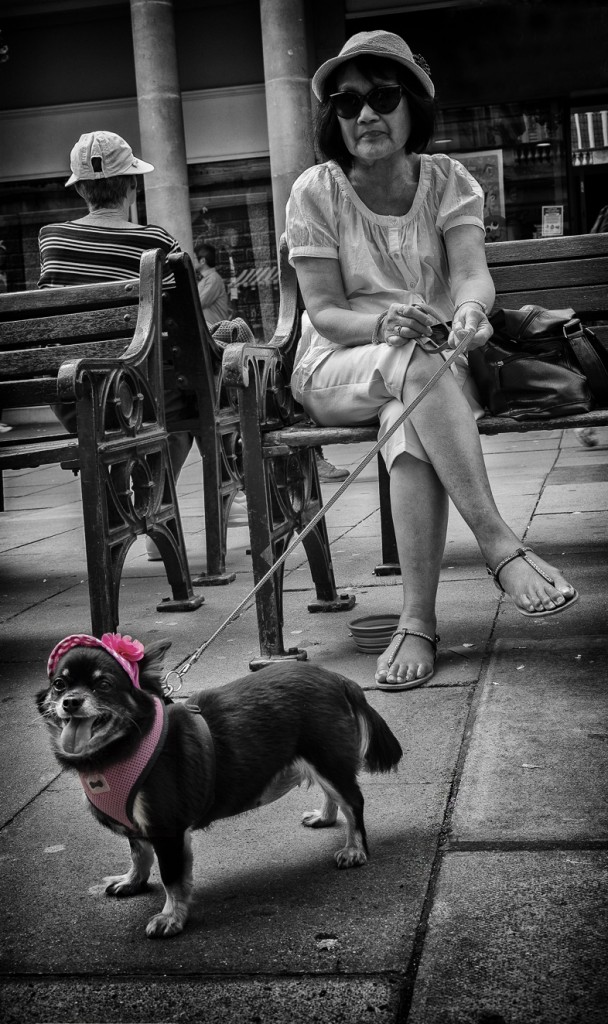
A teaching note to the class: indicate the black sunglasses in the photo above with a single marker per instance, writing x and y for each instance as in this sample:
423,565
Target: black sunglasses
383,99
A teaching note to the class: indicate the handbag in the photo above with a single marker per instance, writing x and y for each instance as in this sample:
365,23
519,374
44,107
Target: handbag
540,364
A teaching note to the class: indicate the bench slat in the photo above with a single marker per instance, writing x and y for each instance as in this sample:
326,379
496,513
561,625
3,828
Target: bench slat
305,436
537,250
41,361
92,324
45,301
556,274
583,299
37,391
42,453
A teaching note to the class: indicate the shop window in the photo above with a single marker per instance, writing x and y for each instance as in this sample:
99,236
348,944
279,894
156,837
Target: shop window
231,206
589,134
24,207
517,153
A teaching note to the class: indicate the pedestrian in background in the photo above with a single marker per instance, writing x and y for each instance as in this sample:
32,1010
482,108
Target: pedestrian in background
211,288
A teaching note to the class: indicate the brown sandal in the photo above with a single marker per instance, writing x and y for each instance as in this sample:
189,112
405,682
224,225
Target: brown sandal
411,683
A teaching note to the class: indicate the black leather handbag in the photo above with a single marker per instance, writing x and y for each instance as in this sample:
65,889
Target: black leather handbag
539,364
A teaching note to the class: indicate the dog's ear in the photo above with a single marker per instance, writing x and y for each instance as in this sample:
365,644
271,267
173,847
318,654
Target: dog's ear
151,665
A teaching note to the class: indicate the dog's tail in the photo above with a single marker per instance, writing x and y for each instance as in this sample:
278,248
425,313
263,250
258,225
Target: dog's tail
380,748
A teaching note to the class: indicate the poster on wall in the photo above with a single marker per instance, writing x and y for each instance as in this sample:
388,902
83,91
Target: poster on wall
486,167
552,221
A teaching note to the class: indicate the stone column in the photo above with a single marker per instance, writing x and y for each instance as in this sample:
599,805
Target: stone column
288,97
161,120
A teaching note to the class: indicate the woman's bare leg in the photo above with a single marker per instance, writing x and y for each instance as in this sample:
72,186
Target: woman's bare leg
449,434
420,515
447,430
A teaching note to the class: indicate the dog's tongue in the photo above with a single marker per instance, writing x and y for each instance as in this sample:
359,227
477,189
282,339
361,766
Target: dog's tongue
76,735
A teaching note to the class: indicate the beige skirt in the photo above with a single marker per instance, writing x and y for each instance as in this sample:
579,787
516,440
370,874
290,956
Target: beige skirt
366,383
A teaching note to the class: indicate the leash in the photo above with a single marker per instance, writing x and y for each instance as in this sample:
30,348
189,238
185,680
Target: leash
173,679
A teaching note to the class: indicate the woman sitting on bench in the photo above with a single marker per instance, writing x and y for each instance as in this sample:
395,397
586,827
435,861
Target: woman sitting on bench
381,237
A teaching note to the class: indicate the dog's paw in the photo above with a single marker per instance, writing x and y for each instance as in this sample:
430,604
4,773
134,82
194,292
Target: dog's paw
163,926
125,885
317,819
350,857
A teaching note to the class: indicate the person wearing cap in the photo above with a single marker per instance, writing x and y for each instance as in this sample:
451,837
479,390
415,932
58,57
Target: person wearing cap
104,245
387,241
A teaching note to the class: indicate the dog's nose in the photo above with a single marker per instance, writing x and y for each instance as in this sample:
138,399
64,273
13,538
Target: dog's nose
71,704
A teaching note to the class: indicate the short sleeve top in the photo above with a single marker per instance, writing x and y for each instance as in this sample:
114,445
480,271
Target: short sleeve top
382,258
73,253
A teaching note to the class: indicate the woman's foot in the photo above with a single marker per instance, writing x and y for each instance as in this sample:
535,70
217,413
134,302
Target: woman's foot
535,587
409,659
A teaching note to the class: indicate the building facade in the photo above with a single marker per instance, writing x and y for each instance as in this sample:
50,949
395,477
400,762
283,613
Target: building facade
522,89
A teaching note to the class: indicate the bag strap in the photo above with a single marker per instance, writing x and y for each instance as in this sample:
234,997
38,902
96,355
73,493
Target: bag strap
591,364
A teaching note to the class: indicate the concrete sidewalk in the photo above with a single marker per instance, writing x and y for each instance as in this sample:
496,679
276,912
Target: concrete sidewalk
485,900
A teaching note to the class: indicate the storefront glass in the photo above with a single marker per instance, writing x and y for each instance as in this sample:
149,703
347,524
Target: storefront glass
589,135
232,210
517,152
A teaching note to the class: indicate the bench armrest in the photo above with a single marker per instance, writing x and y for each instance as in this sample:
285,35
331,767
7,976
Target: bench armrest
263,371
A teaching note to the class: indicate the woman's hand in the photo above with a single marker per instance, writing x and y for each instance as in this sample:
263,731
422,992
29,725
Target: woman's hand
403,324
470,316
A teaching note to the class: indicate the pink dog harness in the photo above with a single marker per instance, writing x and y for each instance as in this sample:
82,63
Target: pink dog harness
113,790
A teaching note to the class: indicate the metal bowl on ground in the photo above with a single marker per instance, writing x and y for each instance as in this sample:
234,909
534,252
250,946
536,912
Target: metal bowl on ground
372,633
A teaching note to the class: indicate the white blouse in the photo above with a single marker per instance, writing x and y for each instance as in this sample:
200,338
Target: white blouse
382,258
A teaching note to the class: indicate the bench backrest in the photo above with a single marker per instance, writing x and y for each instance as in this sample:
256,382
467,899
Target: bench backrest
556,273
40,330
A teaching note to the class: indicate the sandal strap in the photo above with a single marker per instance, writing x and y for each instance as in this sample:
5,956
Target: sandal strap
402,633
520,553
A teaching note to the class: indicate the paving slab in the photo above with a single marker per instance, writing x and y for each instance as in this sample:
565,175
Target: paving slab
574,497
516,938
536,767
585,567
25,766
271,1000
265,891
268,902
21,530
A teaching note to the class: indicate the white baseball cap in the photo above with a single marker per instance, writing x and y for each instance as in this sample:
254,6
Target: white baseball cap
103,155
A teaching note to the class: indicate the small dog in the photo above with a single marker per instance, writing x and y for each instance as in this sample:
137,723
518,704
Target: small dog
154,771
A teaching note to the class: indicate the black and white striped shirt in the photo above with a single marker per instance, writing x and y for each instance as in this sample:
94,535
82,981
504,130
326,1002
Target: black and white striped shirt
73,253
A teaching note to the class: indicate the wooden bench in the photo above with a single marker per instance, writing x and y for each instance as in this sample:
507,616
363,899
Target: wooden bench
100,347
281,480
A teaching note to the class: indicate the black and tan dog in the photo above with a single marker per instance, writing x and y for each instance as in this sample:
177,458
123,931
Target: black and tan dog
154,772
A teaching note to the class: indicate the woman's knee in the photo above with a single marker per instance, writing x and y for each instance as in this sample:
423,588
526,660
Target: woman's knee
421,368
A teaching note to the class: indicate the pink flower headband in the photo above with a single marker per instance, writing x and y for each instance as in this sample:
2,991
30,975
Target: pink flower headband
126,651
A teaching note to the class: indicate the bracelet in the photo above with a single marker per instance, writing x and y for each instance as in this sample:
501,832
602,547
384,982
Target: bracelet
376,339
477,302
